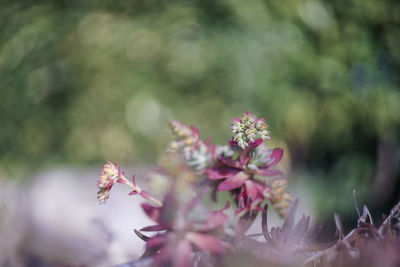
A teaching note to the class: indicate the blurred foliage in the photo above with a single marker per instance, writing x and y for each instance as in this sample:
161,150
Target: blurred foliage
86,81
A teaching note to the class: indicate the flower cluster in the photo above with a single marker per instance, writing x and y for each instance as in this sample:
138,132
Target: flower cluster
110,174
198,154
186,136
244,171
279,197
237,168
248,129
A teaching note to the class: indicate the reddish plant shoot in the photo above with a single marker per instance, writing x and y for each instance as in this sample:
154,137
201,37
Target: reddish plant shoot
187,233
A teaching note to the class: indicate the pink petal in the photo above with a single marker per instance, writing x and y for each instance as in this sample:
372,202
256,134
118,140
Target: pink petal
155,228
230,162
251,190
206,242
195,131
236,120
233,182
255,144
277,154
267,172
242,194
183,256
220,173
154,213
260,186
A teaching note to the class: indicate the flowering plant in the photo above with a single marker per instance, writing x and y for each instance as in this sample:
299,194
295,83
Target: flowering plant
187,233
241,167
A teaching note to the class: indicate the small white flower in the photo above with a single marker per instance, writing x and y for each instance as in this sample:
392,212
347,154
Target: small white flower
238,136
248,129
242,144
198,158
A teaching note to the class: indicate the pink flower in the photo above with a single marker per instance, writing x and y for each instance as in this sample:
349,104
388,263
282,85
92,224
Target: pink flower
198,154
185,136
238,173
109,175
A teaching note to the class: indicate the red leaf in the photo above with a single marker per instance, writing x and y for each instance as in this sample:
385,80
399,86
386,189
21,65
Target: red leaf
220,173
267,172
155,228
251,190
230,162
276,156
233,182
153,212
255,144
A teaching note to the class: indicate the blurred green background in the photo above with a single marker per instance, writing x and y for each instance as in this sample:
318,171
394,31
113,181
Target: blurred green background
82,82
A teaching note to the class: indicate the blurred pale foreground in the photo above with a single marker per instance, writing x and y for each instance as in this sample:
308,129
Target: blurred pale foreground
56,220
